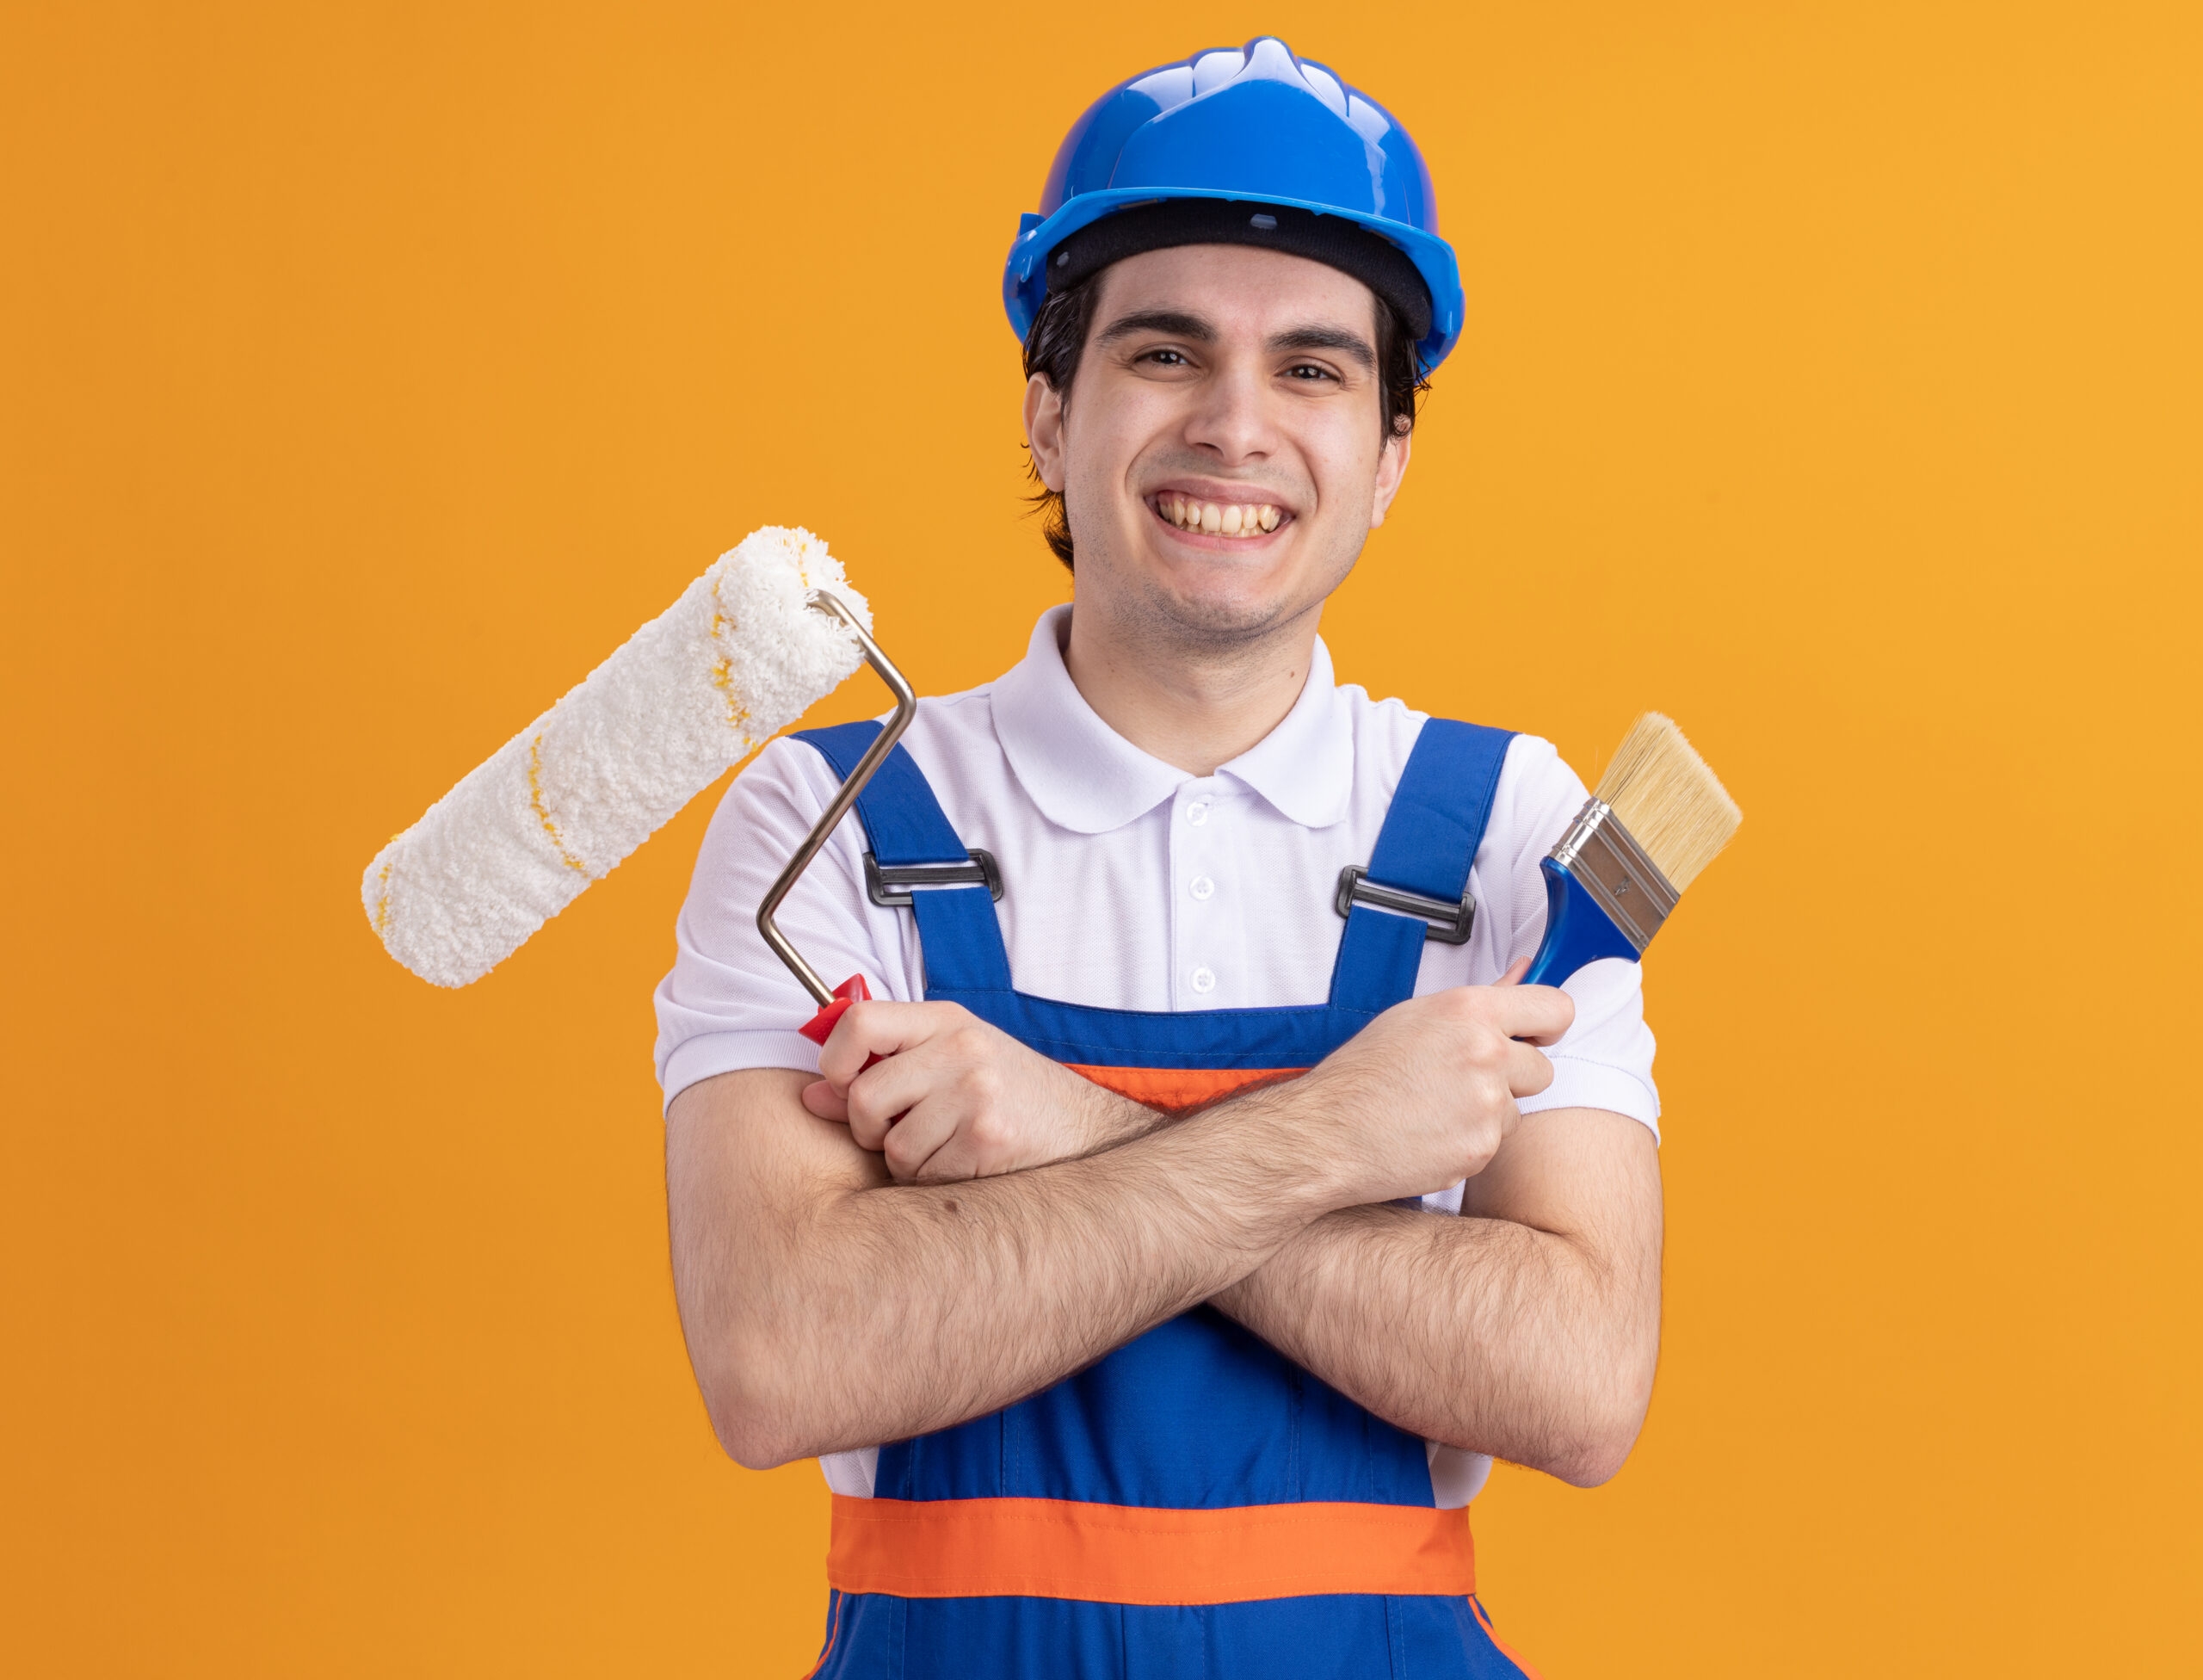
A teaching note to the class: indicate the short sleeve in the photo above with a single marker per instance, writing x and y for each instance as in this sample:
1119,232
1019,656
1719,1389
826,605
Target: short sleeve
729,1003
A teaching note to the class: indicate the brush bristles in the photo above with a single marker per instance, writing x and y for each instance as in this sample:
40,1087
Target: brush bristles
1671,804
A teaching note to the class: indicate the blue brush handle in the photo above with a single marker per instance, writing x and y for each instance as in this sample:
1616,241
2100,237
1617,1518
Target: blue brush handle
1577,931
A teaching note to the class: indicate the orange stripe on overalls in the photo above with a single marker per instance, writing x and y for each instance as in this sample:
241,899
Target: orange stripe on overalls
1130,1554
1174,1090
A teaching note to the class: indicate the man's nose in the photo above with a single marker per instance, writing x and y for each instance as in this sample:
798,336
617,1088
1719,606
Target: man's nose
1231,419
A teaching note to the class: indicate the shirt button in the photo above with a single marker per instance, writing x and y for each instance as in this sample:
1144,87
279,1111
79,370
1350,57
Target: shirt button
1204,980
1201,887
1197,813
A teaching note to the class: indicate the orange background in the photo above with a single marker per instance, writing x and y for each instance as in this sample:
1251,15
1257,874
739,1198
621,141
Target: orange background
370,374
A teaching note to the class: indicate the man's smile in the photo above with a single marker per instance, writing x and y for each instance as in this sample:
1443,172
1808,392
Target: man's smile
1226,521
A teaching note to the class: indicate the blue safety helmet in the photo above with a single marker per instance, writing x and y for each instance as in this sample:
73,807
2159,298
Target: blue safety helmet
1258,127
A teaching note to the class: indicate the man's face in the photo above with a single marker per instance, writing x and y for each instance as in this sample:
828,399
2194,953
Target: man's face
1221,459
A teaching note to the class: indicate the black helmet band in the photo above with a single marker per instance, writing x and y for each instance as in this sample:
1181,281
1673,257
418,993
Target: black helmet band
1374,260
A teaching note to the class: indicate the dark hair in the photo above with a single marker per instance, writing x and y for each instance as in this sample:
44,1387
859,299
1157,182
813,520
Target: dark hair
1058,337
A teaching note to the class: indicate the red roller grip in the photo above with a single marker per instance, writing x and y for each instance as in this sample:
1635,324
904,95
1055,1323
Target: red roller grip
851,991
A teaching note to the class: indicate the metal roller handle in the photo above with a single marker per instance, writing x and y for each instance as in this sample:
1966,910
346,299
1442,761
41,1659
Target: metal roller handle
906,707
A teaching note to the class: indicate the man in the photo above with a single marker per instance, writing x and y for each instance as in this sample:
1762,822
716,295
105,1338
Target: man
1185,1364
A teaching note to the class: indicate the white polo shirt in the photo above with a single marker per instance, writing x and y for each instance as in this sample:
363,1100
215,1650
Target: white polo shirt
1130,885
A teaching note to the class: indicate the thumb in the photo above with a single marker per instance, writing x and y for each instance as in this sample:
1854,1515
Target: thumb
820,1097
1516,970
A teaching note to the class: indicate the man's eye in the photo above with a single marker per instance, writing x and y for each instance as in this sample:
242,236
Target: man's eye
1310,371
1165,358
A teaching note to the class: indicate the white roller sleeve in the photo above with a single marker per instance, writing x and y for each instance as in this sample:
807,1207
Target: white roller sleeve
736,659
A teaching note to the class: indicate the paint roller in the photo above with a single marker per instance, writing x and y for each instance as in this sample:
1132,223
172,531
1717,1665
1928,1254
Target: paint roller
770,628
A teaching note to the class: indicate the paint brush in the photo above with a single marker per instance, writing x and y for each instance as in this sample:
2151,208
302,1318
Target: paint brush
1660,816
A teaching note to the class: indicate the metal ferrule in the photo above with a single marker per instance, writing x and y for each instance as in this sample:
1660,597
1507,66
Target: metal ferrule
1602,854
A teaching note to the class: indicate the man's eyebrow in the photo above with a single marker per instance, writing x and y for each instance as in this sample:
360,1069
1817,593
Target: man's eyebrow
1176,323
1327,338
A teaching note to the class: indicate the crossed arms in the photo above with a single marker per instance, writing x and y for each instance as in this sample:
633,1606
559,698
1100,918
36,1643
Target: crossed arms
876,1254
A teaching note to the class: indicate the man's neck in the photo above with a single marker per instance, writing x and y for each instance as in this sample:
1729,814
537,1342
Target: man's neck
1196,706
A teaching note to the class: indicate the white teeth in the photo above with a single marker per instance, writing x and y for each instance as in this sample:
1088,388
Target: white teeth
1215,520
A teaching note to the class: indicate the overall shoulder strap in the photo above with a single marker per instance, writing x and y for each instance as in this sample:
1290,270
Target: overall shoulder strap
1429,837
957,932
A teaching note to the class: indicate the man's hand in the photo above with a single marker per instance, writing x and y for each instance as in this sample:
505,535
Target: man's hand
953,1098
1424,1095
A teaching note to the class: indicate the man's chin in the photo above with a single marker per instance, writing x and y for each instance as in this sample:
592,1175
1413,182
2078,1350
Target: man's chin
1200,597
1216,616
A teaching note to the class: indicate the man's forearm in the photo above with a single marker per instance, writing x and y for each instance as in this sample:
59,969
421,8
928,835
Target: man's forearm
879,1312
1527,1329
1481,1333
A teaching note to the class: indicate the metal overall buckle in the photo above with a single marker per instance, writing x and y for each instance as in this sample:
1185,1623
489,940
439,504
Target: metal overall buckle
1449,921
880,879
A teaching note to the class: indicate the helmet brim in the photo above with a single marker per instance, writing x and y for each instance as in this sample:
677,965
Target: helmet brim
1025,285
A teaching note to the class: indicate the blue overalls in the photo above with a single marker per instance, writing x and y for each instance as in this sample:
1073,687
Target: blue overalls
1194,1503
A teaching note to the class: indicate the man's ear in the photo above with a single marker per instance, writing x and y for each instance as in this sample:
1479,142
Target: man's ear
1043,431
1391,467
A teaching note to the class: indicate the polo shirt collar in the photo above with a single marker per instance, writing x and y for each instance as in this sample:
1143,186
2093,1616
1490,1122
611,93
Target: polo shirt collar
1086,777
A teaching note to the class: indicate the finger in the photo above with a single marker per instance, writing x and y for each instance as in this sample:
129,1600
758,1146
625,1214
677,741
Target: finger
869,1124
1540,1014
1529,1071
870,1030
820,1097
1509,1117
953,1162
1516,970
1499,1104
883,1093
917,1139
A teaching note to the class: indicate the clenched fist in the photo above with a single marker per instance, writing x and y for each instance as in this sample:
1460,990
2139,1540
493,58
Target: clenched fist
955,1098
1424,1096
